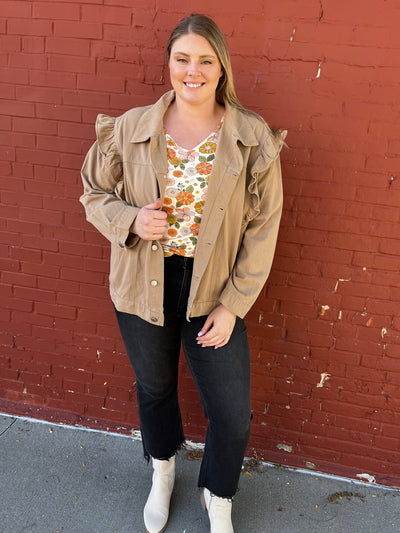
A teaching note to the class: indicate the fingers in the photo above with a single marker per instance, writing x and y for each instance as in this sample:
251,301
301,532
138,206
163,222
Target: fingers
150,223
217,328
207,324
217,342
214,338
222,343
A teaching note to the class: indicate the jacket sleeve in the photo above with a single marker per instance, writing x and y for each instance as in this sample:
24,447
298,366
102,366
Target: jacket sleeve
256,253
102,175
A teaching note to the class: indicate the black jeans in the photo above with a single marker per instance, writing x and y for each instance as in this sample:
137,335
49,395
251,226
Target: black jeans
222,377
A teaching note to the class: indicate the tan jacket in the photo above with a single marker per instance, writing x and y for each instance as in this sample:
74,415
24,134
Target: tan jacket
126,169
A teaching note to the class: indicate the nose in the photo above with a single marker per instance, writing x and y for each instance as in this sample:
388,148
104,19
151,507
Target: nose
193,68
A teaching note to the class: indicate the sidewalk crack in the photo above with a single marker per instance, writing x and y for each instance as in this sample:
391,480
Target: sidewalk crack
7,428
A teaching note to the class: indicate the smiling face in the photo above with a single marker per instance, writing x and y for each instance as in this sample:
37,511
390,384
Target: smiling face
194,69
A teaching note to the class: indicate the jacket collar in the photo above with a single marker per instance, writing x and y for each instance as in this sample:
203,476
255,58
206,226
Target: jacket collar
150,123
240,126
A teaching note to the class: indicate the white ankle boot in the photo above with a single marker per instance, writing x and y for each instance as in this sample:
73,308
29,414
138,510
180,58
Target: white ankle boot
219,512
156,510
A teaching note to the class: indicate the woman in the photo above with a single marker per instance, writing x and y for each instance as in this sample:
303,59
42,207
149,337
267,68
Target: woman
188,191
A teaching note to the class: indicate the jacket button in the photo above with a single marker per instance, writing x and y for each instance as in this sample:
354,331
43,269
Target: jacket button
154,247
154,283
121,245
154,319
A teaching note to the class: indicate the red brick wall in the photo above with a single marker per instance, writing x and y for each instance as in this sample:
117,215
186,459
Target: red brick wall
325,332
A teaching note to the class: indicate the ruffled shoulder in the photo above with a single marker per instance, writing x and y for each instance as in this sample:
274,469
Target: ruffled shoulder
110,156
269,152
105,132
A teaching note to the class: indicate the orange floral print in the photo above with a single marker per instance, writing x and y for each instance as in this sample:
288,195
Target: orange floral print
204,168
168,210
186,190
195,229
185,198
180,251
171,153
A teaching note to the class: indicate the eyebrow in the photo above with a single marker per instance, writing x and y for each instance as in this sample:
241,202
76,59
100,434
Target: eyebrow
187,55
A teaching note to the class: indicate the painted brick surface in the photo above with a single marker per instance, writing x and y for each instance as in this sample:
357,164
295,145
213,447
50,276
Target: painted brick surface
325,332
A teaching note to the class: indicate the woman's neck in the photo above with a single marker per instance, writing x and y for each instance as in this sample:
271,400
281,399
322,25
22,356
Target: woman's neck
196,114
189,124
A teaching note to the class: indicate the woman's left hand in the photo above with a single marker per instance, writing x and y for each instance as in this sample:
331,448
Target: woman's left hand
217,328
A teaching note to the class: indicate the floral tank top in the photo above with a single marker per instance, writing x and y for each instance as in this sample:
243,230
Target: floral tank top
186,191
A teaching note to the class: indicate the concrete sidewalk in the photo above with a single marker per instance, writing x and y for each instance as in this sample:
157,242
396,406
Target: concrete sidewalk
57,479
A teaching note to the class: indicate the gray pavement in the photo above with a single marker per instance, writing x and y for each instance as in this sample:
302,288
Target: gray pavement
58,479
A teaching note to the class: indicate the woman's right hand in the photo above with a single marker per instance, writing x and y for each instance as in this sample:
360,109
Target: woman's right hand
150,223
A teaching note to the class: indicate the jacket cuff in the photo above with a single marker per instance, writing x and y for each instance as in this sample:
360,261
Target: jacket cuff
126,239
132,240
232,300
